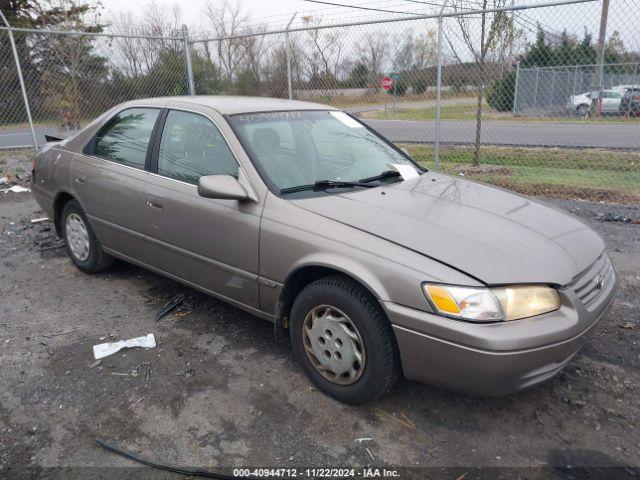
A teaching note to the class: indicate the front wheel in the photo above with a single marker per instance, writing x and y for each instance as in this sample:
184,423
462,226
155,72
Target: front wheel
83,248
344,341
583,110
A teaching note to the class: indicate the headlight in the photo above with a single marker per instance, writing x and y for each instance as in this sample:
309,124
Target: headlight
491,304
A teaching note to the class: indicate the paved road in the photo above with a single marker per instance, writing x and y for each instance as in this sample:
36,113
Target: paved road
555,134
22,136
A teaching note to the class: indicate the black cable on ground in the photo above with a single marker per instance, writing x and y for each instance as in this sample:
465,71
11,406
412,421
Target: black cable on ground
170,468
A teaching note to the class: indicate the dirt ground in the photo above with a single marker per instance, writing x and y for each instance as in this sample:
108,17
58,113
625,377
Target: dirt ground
218,392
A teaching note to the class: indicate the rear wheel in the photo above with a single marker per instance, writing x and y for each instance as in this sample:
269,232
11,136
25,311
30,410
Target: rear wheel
82,246
344,341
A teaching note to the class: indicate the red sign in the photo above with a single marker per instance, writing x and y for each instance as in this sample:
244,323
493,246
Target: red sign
387,83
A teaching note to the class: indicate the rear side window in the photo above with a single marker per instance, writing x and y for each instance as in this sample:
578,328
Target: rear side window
125,138
191,147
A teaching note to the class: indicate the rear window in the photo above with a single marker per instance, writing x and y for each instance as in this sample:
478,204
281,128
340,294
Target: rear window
125,137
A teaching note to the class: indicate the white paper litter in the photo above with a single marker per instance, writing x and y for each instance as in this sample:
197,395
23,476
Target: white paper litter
407,172
347,120
16,189
105,349
39,220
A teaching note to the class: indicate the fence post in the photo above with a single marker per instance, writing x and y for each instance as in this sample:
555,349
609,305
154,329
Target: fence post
288,49
515,89
187,56
21,79
438,93
535,91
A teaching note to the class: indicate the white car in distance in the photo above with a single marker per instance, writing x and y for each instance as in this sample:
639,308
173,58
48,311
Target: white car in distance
581,103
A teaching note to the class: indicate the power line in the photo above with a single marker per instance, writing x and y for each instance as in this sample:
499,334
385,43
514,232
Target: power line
361,8
425,3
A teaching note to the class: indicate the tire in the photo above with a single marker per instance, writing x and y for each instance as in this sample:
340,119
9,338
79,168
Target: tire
380,368
87,256
582,109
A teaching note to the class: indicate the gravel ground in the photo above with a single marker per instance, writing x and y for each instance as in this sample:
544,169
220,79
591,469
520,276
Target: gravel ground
219,392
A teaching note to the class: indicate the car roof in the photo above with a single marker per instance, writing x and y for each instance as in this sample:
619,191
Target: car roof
227,104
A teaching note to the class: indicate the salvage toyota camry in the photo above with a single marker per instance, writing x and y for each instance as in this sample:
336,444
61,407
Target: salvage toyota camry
302,215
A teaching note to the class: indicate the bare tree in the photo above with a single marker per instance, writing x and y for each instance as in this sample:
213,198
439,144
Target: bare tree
479,34
136,56
228,20
373,50
323,52
414,52
252,51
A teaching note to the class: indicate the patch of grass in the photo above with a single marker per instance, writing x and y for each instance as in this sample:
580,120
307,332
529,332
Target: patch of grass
588,171
447,112
468,112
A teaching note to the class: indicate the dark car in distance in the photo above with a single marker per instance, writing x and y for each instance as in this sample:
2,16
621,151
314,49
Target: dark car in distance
630,102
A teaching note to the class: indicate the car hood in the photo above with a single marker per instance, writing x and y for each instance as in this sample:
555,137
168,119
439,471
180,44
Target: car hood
491,234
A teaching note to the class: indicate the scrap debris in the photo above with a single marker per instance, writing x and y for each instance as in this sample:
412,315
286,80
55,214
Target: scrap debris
170,305
105,349
48,242
15,189
196,472
405,421
610,217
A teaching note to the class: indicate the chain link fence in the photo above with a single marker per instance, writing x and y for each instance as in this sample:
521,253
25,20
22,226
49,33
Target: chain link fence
488,90
567,91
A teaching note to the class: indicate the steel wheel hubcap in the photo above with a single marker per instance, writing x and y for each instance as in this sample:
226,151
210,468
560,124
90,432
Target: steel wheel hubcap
77,236
333,345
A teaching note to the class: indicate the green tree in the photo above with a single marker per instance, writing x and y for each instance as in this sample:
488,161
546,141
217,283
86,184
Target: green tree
399,86
247,83
502,92
358,76
538,54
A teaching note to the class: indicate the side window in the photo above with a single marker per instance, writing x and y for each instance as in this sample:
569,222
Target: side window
125,138
191,147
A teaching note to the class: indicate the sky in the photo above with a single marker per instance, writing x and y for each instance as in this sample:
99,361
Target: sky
276,13
191,8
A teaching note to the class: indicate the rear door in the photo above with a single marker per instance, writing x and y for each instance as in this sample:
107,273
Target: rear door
210,243
109,180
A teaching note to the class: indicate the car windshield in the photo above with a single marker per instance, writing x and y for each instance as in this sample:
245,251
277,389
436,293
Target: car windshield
326,148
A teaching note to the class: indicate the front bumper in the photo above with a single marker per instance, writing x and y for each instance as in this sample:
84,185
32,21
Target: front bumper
498,358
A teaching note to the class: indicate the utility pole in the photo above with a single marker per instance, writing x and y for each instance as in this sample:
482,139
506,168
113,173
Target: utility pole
187,54
288,50
598,74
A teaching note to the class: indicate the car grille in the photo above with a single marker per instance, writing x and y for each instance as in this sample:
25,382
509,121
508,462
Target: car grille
594,282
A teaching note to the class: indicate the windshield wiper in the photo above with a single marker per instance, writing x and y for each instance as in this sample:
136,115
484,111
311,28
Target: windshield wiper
382,176
324,184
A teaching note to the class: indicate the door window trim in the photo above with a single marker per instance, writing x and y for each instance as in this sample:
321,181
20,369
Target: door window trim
89,147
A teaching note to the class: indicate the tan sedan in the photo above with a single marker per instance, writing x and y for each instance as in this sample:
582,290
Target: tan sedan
302,215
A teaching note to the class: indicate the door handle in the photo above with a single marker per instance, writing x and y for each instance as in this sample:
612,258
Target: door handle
80,179
154,202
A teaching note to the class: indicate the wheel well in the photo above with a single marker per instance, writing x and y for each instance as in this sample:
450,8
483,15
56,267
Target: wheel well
299,279
58,205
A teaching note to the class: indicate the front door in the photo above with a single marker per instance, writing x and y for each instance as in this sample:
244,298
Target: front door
211,243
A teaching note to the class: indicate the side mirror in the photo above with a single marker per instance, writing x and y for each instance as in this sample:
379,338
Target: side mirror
222,187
